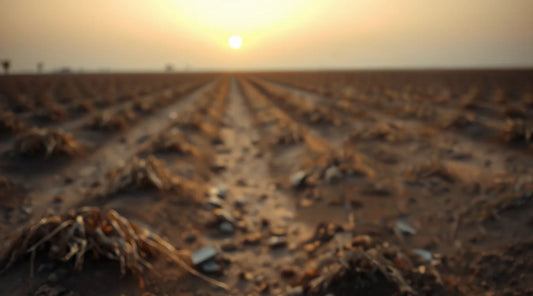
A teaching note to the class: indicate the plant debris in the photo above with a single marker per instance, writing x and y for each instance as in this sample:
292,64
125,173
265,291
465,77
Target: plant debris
140,173
9,123
517,131
383,131
46,142
92,231
108,121
174,141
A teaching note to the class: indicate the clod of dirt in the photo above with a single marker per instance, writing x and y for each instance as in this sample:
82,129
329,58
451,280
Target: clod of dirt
46,142
84,107
108,121
517,131
22,103
430,169
367,267
360,274
459,120
52,112
277,241
174,141
503,271
143,106
53,290
335,165
11,194
252,238
287,134
363,240
383,131
10,124
298,179
219,191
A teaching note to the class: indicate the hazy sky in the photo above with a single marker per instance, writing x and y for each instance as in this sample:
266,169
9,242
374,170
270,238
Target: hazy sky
138,35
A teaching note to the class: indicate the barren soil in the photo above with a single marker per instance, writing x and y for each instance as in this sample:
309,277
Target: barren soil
303,183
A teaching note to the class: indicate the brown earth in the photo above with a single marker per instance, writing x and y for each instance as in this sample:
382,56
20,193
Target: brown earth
305,183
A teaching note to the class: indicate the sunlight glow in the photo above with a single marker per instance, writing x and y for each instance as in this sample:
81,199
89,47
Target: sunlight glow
235,42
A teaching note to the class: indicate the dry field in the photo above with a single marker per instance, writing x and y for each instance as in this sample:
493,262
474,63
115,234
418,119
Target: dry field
290,183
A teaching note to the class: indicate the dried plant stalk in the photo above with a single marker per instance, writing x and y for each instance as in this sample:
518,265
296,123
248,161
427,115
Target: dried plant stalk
90,230
140,173
108,121
288,134
174,141
46,142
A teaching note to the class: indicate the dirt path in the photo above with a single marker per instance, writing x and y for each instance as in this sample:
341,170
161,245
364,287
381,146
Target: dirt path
250,185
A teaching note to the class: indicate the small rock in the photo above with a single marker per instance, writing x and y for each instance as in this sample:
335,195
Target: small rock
219,191
289,272
277,241
226,227
241,182
311,247
296,291
46,290
252,238
306,202
229,246
239,203
142,139
422,269
356,203
332,174
45,267
191,238
278,231
423,254
223,215
245,276
58,199
298,179
363,241
214,201
26,210
335,201
53,278
264,223
203,255
404,228
262,288
211,267
218,168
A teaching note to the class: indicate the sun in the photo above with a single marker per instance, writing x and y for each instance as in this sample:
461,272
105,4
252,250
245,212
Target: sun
235,41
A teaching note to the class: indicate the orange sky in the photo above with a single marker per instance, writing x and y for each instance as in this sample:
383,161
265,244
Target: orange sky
278,34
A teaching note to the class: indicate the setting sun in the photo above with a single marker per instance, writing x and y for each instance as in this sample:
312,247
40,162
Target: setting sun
235,42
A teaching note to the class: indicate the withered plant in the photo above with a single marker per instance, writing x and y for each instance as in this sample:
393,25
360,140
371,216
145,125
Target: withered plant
45,143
